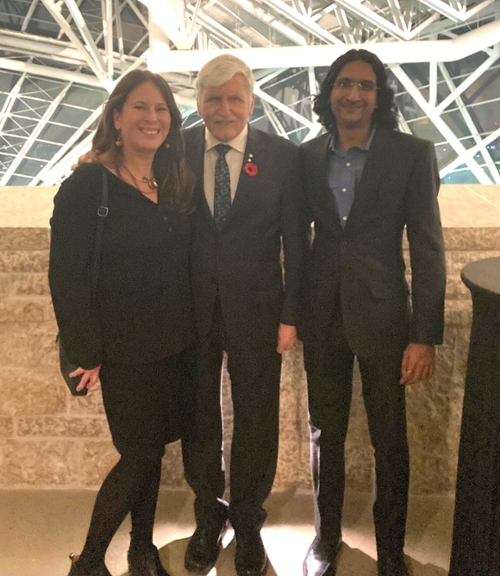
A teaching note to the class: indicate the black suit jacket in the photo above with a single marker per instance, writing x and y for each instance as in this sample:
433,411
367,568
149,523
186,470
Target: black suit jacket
242,263
144,309
359,269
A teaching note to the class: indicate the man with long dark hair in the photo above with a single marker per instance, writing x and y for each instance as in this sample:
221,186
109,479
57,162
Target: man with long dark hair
365,182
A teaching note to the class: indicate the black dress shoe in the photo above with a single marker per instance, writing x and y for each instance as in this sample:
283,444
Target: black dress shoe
321,558
77,570
145,561
391,565
251,558
204,547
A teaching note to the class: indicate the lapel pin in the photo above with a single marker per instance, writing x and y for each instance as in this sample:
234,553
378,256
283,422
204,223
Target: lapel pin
250,168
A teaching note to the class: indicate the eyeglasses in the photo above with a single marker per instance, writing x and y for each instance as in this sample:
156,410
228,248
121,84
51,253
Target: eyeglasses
348,83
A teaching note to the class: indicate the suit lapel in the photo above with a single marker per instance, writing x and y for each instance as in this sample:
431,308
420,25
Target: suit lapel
379,161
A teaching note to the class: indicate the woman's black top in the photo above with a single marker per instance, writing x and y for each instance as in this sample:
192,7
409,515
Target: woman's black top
143,311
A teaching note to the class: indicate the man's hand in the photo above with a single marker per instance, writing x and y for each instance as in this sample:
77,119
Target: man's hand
89,377
287,337
418,363
86,158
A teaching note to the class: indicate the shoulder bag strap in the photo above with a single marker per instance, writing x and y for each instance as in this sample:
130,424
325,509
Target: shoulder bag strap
102,212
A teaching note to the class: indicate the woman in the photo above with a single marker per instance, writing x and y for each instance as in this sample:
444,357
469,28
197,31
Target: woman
137,336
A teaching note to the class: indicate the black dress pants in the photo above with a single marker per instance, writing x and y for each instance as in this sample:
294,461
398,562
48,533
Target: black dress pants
255,380
330,392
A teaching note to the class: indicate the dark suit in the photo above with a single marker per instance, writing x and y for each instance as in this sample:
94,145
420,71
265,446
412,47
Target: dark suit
355,302
239,304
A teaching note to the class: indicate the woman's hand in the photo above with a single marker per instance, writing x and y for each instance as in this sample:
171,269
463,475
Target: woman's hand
89,377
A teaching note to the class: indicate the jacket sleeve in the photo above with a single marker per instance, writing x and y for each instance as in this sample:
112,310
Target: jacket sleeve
425,237
295,230
73,227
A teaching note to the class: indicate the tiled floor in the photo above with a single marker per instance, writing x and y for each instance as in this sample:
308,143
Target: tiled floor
38,529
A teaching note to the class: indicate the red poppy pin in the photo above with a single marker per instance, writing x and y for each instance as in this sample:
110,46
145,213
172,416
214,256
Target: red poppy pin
250,168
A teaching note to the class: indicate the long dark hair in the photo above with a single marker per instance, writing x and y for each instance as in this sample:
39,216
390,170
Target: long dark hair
169,164
386,113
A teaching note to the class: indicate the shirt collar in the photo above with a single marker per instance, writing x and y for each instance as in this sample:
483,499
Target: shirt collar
239,143
366,147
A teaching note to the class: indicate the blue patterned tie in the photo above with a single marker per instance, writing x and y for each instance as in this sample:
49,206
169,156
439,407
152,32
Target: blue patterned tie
222,189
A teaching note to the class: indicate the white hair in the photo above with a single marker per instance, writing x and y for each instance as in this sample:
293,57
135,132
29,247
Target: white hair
220,70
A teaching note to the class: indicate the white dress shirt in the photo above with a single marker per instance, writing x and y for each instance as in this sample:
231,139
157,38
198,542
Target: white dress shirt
234,159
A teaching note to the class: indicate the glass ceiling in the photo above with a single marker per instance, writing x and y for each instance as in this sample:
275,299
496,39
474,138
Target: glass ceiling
58,62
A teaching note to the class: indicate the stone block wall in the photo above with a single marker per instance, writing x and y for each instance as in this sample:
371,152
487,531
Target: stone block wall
49,439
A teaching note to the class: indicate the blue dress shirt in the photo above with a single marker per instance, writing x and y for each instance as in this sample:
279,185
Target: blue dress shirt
345,168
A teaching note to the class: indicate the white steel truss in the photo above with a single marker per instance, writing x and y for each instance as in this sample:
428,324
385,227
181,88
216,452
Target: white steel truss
60,58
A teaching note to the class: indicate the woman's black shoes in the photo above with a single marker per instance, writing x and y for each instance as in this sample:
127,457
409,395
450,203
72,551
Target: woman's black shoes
142,561
145,561
77,570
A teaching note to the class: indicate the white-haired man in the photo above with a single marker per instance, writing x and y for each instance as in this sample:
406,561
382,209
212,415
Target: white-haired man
248,201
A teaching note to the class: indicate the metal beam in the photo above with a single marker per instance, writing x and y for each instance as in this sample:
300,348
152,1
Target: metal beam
469,153
237,20
271,115
316,128
422,26
439,123
63,168
303,21
44,174
433,83
86,35
445,10
470,79
478,8
55,11
107,32
453,14
49,72
28,16
321,55
48,48
490,163
345,28
170,16
283,107
270,20
34,135
397,14
9,103
213,25
368,15
33,45
137,12
119,31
